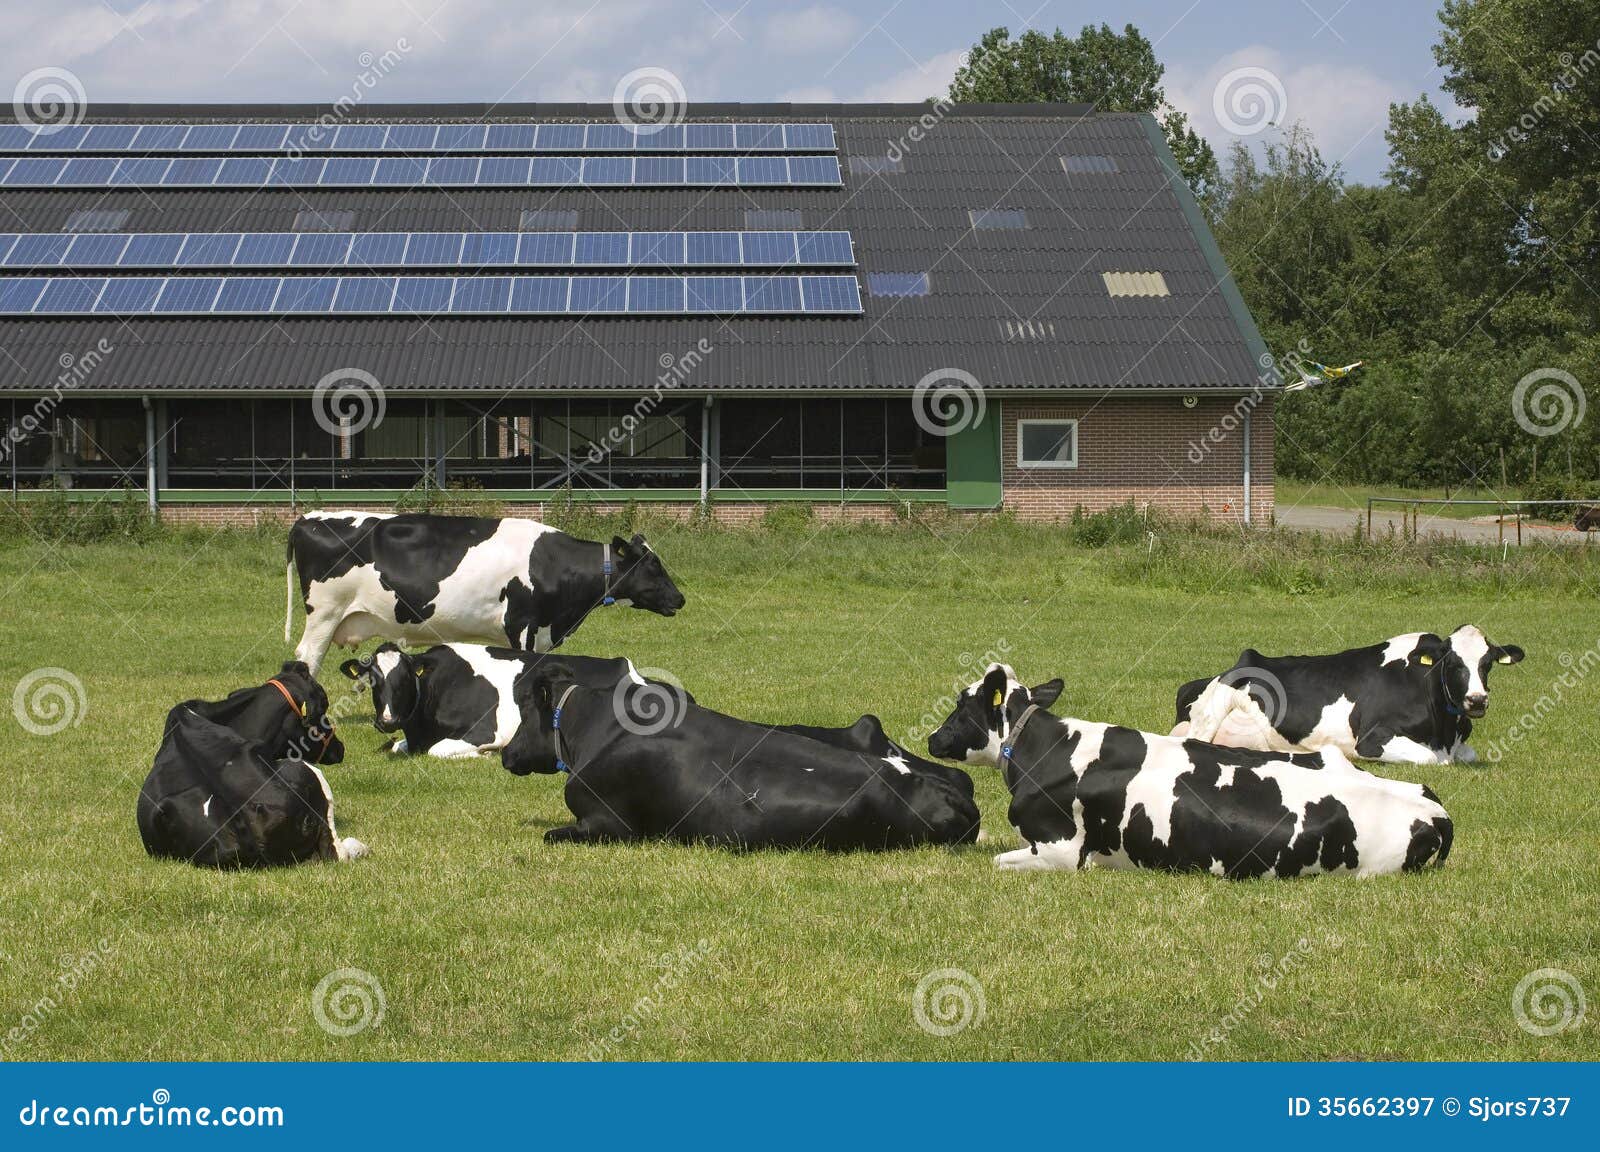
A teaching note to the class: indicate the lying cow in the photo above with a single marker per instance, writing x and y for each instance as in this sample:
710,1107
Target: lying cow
1086,795
1410,700
456,700
221,800
288,715
695,775
430,579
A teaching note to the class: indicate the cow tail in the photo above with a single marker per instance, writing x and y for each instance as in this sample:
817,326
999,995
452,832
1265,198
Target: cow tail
1447,833
288,597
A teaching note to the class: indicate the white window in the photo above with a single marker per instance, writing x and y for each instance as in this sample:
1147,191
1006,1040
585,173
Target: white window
1047,443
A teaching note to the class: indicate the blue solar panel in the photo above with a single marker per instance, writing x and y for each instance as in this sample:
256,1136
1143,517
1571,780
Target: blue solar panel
378,250
607,170
824,248
434,248
307,294
260,137
655,294
8,241
666,170
36,170
601,248
608,138
309,138
247,294
814,170
349,170
127,296
560,137
71,295
95,171
512,137
459,138
708,137
657,248
511,171
719,294
153,250
765,249
110,137
189,294
712,170
210,137
321,249
423,295
211,250
481,294
360,137
245,171
658,137
364,294
489,248
264,250
556,170
159,137
93,250
712,248
452,171
18,295
831,293
546,248
143,172
61,138
814,137
192,170
539,294
772,294
38,250
599,294
290,172
15,137
763,170
405,171
410,137
758,137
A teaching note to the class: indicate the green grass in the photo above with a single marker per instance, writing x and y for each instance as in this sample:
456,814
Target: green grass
490,945
1328,495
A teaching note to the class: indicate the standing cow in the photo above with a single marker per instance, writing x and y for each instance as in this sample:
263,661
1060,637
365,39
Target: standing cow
1409,700
1087,795
428,579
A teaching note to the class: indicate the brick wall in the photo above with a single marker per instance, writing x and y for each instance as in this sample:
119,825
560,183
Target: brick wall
219,515
1150,449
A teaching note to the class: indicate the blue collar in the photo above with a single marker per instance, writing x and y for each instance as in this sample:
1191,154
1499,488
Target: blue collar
605,574
555,729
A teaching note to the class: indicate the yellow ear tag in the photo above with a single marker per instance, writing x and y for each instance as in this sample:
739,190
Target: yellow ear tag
1424,659
421,672
1503,660
998,696
302,711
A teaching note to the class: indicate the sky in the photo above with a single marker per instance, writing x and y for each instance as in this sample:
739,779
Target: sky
1334,65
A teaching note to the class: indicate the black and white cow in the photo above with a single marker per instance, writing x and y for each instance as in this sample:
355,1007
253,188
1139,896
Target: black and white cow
456,700
220,800
1095,795
430,579
288,715
1409,700
693,775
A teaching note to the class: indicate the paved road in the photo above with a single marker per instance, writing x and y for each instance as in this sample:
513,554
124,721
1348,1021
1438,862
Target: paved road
1322,519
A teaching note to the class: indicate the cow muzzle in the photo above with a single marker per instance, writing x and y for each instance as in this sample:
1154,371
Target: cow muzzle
1476,706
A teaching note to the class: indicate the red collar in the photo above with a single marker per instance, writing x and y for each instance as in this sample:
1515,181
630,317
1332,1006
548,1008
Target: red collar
294,706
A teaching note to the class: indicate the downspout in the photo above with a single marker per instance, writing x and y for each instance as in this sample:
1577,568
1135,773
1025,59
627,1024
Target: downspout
1247,467
149,454
705,450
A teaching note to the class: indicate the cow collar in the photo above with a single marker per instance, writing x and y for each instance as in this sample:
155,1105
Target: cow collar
295,707
605,573
555,729
1008,743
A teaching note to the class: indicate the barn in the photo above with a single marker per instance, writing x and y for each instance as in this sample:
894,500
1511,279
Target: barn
238,310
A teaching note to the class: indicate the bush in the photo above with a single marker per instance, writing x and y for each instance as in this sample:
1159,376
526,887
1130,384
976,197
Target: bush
55,516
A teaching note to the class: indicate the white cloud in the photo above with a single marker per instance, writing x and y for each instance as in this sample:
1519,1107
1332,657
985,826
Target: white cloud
1345,107
914,85
818,28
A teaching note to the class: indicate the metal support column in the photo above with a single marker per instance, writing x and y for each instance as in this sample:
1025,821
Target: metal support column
705,449
149,453
1247,466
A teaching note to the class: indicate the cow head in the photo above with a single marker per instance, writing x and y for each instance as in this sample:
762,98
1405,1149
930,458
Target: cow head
984,714
533,748
311,736
1461,664
395,679
641,579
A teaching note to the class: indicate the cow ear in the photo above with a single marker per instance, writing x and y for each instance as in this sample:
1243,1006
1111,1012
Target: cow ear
640,542
1430,649
1047,693
619,547
994,687
1509,654
352,669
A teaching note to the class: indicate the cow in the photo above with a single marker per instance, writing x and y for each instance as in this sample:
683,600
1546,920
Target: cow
867,735
1087,795
288,716
431,579
218,799
456,700
638,771
1409,700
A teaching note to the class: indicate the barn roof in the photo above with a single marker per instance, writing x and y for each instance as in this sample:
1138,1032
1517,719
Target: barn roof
1114,283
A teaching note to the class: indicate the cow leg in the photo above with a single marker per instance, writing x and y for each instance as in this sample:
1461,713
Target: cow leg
1464,753
1058,856
315,640
1392,748
579,833
454,750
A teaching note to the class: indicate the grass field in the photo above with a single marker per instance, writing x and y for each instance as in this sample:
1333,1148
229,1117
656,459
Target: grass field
489,945
1296,492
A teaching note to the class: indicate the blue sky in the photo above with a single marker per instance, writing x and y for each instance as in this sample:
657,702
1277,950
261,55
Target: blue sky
1337,65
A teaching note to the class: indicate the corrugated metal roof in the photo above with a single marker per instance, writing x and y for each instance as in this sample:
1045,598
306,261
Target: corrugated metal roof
1020,309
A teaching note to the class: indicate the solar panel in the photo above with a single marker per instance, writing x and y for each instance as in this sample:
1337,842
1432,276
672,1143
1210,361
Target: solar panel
374,250
710,171
763,170
245,171
819,170
418,138
427,295
32,171
667,170
345,170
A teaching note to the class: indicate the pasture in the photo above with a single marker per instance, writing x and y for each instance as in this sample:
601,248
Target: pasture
488,944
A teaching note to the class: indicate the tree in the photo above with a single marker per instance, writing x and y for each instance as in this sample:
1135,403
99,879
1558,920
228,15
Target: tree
1114,71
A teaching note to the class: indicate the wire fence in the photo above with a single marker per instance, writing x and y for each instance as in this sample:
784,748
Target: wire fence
1585,518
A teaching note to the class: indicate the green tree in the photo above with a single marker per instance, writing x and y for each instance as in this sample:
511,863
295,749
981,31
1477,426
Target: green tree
1114,71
